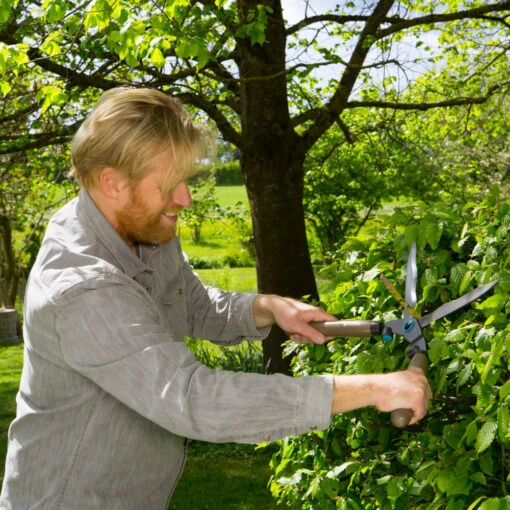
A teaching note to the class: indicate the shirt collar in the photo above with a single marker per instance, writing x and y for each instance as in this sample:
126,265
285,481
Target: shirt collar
125,259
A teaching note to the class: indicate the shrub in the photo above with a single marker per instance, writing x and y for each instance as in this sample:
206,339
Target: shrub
229,174
245,357
457,456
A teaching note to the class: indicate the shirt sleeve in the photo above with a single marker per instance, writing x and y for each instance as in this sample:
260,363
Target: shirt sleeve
113,335
222,317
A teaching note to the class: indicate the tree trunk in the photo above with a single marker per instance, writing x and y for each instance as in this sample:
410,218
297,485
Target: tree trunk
10,281
272,166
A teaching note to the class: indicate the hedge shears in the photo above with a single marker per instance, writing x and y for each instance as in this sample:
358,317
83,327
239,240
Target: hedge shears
410,326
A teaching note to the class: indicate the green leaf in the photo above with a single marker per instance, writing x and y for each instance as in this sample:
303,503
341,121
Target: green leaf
486,436
396,488
157,58
471,433
492,504
495,303
504,391
437,349
457,274
51,45
479,478
466,282
184,49
5,11
432,234
51,95
412,233
503,423
464,375
5,87
444,480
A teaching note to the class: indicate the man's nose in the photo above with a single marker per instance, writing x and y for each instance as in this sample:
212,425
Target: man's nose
181,195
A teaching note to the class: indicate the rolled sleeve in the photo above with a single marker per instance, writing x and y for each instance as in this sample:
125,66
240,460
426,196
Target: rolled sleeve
314,404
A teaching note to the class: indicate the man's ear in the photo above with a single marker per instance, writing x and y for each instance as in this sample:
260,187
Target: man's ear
112,182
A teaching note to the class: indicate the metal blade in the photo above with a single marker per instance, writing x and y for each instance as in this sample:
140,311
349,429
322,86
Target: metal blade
455,305
411,279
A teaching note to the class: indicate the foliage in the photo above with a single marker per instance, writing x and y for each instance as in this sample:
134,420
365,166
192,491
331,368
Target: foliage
245,357
205,206
457,456
256,75
452,155
25,205
228,174
233,219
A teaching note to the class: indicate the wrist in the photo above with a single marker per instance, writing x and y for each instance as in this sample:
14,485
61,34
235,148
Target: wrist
352,392
262,310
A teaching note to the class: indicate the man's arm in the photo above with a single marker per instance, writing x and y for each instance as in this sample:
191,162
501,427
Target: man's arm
291,315
398,390
408,389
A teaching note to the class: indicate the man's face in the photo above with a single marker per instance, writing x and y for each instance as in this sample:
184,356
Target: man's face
147,216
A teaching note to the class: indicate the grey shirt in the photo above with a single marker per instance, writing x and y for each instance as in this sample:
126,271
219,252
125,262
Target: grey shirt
109,389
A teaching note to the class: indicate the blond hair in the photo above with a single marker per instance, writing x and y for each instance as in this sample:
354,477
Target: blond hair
128,128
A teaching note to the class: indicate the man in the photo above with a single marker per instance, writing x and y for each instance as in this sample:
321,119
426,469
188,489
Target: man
109,389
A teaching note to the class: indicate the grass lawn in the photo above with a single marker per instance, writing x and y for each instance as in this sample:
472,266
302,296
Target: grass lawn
219,238
240,279
224,477
11,360
229,195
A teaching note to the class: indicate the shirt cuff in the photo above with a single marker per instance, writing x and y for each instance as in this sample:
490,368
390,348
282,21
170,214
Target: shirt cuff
314,405
245,308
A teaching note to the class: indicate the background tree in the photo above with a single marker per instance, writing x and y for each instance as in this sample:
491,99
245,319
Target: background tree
251,72
453,155
24,203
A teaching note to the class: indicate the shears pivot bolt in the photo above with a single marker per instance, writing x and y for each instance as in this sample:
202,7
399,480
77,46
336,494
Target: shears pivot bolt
408,326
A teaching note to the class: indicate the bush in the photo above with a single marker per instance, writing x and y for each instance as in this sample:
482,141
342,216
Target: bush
226,173
245,357
457,456
229,174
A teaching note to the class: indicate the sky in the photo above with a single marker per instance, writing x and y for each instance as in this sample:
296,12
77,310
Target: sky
294,10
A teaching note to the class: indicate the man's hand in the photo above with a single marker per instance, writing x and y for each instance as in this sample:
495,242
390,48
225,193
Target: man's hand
397,390
292,316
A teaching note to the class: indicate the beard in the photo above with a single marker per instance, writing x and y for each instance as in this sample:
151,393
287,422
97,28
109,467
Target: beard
137,223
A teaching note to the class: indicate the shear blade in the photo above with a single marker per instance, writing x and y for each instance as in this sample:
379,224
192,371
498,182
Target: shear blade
455,305
411,278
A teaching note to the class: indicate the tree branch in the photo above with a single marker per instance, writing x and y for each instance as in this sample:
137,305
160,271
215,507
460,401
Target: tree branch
335,18
475,13
72,77
338,102
458,101
225,127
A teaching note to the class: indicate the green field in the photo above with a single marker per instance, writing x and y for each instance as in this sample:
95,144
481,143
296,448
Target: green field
229,195
221,239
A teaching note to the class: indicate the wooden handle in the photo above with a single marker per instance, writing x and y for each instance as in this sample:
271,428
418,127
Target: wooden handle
401,417
349,328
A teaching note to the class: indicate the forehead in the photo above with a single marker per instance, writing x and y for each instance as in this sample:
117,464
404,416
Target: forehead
162,174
